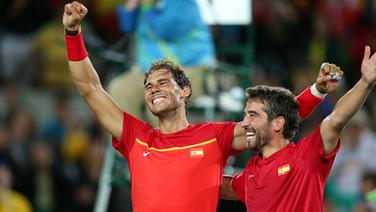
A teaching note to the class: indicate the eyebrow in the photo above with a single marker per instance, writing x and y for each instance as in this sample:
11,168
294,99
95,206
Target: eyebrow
251,112
158,81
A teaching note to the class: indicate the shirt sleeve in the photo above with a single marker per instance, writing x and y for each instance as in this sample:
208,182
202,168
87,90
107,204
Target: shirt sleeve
131,127
224,133
312,152
307,102
238,184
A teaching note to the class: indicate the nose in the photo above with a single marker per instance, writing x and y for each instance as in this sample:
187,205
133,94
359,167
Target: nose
154,89
245,123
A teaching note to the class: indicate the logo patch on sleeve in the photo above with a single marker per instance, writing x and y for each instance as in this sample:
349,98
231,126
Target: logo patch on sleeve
197,153
283,169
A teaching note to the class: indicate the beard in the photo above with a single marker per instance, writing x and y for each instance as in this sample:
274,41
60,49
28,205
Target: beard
260,139
165,111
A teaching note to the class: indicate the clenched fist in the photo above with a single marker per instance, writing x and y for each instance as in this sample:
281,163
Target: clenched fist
73,14
328,78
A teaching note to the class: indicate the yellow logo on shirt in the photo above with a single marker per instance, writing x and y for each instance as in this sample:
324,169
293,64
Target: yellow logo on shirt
283,169
197,152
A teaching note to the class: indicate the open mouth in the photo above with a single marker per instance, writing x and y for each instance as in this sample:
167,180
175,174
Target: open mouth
251,136
250,131
158,99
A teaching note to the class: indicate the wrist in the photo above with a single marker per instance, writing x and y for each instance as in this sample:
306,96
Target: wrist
76,50
315,91
73,28
367,83
71,32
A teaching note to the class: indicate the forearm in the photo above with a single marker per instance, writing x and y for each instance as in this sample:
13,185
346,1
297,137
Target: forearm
82,71
227,192
349,104
84,76
308,100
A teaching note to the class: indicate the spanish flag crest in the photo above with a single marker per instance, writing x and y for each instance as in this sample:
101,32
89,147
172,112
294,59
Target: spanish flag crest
283,169
197,152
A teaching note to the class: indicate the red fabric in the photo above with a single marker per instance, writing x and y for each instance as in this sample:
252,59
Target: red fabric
291,179
76,50
181,171
238,184
307,102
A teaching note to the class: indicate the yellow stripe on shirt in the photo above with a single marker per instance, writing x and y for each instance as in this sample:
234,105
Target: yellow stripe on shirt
175,148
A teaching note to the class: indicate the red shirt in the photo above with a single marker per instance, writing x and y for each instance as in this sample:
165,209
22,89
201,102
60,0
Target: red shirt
181,171
291,179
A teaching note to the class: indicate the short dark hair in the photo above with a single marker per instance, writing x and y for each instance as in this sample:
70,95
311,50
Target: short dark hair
277,102
176,70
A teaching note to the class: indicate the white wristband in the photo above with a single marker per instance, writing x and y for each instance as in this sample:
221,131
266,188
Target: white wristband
316,92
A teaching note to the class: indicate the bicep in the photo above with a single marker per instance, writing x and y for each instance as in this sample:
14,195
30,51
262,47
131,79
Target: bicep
329,134
107,112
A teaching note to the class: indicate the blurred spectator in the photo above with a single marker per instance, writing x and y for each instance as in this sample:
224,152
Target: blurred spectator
343,15
55,128
10,200
49,55
368,185
161,31
11,100
76,141
363,34
355,157
45,185
279,37
322,46
23,131
5,143
104,20
91,166
19,20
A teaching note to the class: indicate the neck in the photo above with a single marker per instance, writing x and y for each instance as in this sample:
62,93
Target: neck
173,122
273,146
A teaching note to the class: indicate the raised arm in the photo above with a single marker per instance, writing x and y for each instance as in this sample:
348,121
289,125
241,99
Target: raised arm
349,104
326,82
84,75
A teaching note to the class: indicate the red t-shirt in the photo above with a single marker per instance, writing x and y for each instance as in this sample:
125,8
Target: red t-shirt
291,179
180,171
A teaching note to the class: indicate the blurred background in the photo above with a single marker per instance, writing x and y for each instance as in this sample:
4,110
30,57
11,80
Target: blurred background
52,151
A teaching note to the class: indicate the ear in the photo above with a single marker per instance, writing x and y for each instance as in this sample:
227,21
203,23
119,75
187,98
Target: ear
186,92
278,123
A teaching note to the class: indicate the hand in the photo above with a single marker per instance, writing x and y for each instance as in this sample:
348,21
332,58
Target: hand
73,14
328,78
368,67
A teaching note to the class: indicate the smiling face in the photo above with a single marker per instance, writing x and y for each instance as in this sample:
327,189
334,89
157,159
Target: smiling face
255,123
162,93
279,106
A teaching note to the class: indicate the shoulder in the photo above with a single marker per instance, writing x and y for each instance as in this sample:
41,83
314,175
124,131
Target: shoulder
314,136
